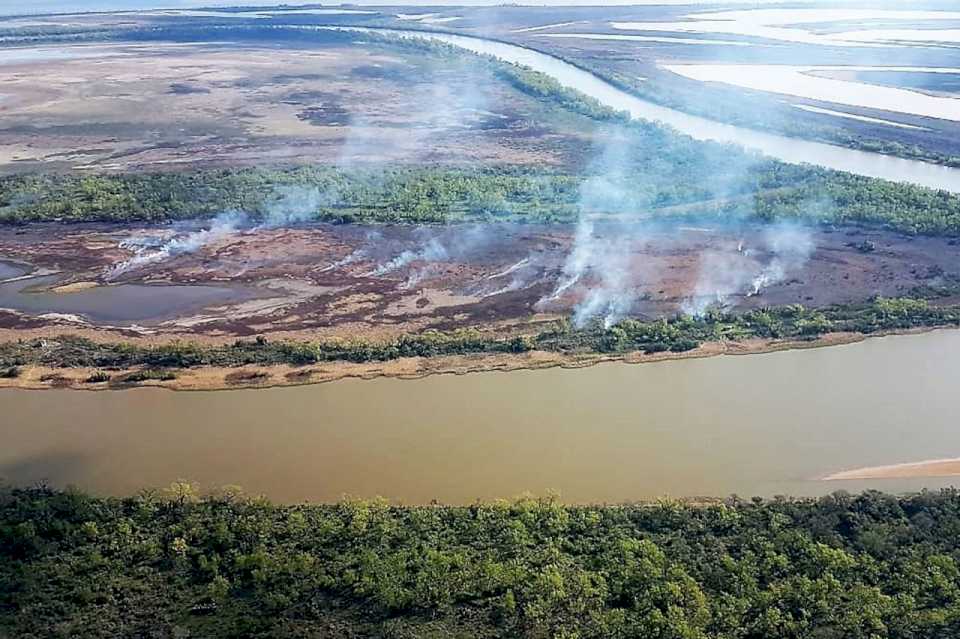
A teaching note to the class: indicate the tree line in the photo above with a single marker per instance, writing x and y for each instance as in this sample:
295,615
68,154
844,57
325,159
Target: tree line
438,195
173,563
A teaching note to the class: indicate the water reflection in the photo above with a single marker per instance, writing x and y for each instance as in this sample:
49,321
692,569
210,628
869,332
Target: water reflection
119,303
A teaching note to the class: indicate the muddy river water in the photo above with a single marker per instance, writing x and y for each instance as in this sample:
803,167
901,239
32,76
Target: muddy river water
759,424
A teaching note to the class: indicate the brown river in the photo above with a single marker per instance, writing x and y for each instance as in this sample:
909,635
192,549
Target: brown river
751,425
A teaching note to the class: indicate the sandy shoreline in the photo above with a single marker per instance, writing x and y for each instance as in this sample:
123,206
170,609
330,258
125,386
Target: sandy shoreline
220,378
928,468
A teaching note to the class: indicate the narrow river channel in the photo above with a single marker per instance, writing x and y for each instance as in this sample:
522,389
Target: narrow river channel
792,150
751,425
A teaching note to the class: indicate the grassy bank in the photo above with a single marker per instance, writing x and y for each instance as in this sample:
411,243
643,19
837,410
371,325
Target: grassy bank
168,563
675,335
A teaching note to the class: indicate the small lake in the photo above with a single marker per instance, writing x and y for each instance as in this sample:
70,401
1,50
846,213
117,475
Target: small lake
752,425
116,303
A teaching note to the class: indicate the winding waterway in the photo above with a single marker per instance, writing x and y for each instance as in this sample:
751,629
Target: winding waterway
792,150
760,424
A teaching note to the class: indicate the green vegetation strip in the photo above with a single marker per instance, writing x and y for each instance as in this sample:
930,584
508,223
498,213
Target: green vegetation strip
170,564
678,334
698,188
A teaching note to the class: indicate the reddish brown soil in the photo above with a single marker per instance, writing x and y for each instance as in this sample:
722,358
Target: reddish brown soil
326,280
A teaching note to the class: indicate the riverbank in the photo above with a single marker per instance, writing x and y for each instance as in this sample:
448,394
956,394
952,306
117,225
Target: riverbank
216,378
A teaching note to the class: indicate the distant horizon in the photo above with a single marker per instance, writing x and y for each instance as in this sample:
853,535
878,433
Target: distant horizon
46,7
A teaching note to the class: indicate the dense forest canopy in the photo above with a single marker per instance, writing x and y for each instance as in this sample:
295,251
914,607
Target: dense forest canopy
450,194
172,564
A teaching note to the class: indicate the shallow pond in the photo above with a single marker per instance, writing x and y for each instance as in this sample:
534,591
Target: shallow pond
800,26
118,303
799,81
11,269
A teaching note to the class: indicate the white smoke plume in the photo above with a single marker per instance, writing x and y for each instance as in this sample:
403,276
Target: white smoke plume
600,262
436,246
725,275
290,206
791,246
372,239
509,270
294,205
433,251
611,297
522,274
222,226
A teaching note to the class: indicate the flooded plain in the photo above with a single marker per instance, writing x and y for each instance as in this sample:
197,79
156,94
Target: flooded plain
752,425
797,26
783,148
802,81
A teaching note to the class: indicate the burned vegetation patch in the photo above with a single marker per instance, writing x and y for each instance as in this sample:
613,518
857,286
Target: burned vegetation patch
242,377
182,88
325,113
287,78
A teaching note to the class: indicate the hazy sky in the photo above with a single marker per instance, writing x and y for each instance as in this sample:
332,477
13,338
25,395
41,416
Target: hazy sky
19,7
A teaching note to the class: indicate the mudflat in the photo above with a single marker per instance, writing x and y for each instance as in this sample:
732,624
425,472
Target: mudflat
170,106
323,280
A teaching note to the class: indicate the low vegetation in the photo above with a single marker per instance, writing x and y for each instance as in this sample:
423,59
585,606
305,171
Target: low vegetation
678,334
170,563
98,377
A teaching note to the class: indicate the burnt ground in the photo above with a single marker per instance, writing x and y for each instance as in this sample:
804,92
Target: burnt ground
346,281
